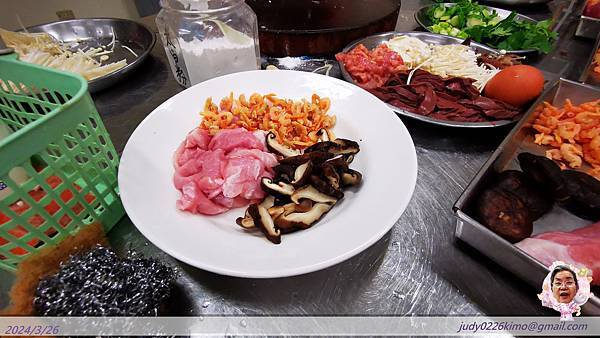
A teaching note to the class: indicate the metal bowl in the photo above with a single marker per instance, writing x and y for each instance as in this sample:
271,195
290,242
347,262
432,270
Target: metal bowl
423,21
431,38
95,32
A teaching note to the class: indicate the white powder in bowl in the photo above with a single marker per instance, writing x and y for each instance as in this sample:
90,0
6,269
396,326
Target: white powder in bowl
219,56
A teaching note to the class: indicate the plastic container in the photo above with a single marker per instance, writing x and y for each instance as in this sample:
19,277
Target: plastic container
208,38
18,174
59,141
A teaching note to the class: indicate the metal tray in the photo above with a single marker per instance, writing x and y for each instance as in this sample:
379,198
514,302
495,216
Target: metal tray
588,27
423,21
431,38
518,140
588,76
99,31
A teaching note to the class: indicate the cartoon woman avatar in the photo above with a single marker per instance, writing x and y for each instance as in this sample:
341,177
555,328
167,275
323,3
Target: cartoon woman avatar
565,289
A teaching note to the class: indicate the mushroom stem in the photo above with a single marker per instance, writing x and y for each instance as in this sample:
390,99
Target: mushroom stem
309,192
351,178
323,135
279,148
303,220
264,222
302,173
279,188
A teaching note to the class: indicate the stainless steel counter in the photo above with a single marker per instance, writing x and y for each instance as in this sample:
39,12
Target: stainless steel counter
415,269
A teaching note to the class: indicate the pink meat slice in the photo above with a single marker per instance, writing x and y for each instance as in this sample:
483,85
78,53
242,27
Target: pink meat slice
230,139
208,184
223,172
189,154
268,160
198,138
580,247
239,171
177,155
231,203
211,163
252,190
189,168
194,201
195,143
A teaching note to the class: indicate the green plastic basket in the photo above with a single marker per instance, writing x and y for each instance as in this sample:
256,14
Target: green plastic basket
58,139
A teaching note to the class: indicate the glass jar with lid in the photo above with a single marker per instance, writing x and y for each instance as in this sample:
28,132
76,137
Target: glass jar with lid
208,38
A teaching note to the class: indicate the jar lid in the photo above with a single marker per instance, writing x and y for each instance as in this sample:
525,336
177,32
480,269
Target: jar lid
199,6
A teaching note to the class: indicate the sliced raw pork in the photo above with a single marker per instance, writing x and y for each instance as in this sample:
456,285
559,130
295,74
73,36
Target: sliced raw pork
580,247
215,174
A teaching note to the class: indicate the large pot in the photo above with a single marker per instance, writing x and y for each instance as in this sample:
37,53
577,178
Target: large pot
319,27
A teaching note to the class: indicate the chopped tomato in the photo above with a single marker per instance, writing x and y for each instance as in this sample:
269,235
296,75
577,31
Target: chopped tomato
371,69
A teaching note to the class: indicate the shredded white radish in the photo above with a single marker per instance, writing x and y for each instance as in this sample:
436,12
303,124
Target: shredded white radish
410,75
112,42
443,60
129,49
412,50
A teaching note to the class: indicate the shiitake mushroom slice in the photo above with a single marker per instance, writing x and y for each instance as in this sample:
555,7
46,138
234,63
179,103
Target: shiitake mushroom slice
583,195
544,173
505,213
516,182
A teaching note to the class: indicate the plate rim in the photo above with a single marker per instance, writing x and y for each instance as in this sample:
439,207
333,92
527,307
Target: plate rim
288,272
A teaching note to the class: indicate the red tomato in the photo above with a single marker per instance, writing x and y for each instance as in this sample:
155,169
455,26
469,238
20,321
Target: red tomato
516,85
592,8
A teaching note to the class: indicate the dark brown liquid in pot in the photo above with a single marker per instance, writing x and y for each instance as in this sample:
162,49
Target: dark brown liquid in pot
319,27
301,15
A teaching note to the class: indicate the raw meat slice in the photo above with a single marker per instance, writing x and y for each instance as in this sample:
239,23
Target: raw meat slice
194,200
229,139
179,181
231,203
198,138
211,163
253,190
188,168
239,171
221,173
269,160
580,247
189,154
206,183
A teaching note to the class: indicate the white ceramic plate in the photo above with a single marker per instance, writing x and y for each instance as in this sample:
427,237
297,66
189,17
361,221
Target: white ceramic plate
387,160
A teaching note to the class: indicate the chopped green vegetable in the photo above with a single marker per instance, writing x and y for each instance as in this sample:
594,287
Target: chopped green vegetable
455,21
438,13
474,22
467,19
462,35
